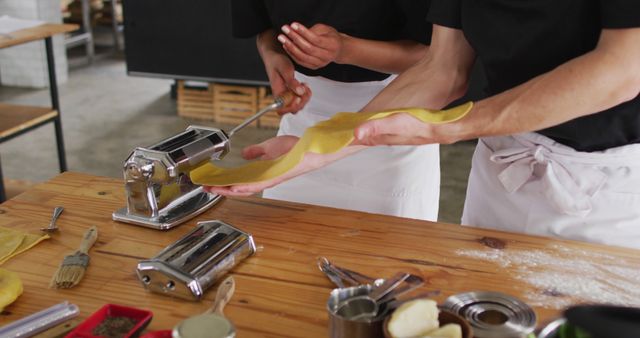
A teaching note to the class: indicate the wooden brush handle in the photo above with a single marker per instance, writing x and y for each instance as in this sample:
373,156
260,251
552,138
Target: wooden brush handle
88,239
223,295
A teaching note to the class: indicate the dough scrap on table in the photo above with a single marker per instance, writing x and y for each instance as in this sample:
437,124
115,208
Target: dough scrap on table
14,242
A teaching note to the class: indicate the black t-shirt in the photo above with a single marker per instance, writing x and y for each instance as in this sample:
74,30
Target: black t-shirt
517,40
383,20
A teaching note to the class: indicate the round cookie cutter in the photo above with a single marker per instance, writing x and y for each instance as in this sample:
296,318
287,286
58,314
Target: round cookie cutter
493,314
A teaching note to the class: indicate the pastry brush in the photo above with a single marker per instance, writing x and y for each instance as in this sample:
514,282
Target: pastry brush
73,266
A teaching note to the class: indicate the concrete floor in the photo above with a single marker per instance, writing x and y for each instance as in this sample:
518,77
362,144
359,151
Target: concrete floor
106,113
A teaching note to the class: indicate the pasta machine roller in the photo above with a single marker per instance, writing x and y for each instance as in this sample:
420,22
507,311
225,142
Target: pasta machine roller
189,266
159,192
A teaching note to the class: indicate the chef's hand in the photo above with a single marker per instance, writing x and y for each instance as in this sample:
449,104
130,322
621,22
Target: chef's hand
400,129
267,150
280,71
274,148
313,47
271,148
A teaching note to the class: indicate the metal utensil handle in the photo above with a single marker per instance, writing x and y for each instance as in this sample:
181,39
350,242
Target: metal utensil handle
40,321
223,296
388,285
279,102
56,213
346,275
323,265
400,290
357,277
411,283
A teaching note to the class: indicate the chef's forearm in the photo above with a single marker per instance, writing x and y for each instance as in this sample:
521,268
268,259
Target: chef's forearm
596,81
439,78
390,57
266,43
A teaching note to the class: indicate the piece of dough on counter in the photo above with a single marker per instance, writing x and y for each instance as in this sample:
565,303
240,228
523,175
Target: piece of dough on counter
10,287
414,319
14,242
325,137
446,331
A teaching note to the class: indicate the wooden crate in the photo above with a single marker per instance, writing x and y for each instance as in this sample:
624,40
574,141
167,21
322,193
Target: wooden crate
270,119
196,102
234,104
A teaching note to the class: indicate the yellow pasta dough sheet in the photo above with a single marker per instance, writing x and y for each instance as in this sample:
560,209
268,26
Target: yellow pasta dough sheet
10,287
325,137
13,242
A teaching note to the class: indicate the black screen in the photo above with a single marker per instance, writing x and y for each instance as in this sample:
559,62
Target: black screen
188,39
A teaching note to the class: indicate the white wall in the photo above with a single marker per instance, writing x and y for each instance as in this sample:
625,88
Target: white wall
26,65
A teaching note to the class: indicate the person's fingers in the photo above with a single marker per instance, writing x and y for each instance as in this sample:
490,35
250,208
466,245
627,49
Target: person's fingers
319,48
286,46
320,29
307,34
271,148
225,191
298,40
290,82
296,104
241,190
399,128
253,151
390,140
252,188
310,162
396,123
279,146
277,82
304,61
365,132
298,55
306,97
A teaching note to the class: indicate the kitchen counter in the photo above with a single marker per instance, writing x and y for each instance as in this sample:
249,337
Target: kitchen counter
279,291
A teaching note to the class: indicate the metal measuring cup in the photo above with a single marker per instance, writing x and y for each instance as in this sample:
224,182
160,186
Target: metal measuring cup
368,305
371,305
341,327
212,323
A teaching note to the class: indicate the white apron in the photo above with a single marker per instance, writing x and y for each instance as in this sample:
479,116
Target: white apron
531,184
400,181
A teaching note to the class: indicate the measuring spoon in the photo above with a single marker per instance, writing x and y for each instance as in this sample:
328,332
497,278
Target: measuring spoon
212,323
330,273
347,276
366,306
411,283
53,227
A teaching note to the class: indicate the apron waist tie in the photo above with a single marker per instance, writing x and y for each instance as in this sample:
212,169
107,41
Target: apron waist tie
568,191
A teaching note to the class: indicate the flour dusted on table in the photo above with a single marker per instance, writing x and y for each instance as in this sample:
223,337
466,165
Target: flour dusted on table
563,276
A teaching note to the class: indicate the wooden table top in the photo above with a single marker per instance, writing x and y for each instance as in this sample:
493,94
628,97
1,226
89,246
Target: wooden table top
279,291
35,33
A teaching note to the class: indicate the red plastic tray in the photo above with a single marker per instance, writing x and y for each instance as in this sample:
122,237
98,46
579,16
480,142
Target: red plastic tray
85,329
157,334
